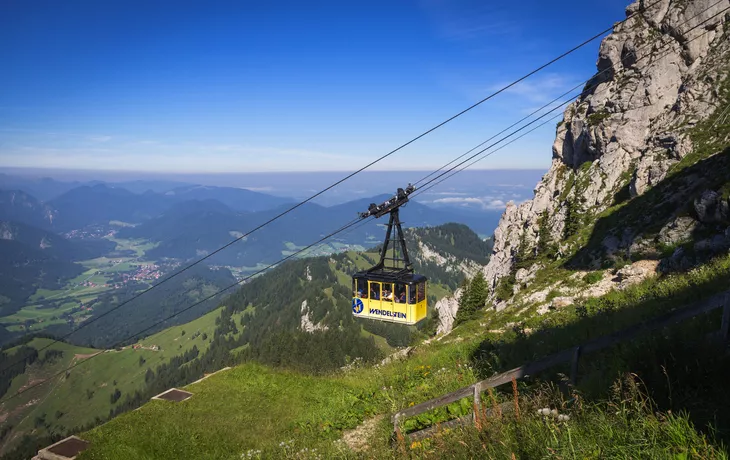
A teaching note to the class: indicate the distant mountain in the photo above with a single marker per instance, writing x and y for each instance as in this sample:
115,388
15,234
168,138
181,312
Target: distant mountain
101,203
196,228
19,206
87,205
235,198
46,189
43,189
188,229
415,214
141,186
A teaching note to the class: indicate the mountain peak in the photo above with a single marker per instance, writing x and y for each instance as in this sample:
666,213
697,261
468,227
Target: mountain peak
631,140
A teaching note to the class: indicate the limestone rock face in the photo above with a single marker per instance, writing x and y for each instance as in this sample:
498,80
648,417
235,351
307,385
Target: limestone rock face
711,207
448,262
656,76
306,323
677,231
447,308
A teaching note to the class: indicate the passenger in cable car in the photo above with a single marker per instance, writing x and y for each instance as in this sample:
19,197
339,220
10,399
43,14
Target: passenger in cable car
400,293
362,289
387,292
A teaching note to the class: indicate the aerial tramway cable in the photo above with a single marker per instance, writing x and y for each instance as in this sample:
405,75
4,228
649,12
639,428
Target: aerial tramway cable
357,222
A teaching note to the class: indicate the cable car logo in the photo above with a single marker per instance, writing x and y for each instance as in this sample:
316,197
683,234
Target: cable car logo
357,306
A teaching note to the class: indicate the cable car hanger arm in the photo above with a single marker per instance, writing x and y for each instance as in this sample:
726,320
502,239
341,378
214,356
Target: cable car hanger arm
398,200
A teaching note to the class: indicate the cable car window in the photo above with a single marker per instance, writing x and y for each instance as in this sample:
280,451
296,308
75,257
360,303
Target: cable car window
388,292
412,294
421,291
361,289
400,293
374,290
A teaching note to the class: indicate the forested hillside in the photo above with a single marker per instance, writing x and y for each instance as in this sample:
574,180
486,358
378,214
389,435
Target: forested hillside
297,316
318,292
32,259
150,308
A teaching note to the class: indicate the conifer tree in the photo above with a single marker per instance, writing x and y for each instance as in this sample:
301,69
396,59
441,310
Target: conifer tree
473,298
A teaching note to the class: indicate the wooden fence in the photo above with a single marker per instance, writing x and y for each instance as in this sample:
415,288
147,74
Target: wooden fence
573,356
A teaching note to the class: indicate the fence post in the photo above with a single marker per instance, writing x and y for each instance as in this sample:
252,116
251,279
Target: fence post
574,365
399,438
725,326
477,405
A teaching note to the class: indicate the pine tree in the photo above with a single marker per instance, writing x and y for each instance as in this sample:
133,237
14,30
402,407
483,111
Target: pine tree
473,298
478,292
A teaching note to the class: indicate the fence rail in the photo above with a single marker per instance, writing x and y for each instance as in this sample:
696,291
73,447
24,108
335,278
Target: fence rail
573,355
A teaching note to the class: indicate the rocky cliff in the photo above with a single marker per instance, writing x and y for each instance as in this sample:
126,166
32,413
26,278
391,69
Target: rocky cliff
656,110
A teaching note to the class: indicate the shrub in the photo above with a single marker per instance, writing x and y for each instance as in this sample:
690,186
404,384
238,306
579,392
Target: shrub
593,277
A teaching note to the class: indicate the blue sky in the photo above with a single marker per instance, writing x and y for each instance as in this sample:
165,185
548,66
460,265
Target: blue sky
245,86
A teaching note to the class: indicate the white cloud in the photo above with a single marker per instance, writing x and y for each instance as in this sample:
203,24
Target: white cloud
458,200
486,203
447,193
540,89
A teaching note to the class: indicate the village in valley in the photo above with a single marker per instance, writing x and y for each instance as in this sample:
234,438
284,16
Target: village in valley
123,269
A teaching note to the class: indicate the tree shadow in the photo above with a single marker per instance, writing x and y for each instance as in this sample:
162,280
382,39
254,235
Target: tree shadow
613,234
682,371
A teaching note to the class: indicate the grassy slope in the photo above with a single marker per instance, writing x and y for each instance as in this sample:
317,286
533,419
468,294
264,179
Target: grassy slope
625,425
69,395
249,407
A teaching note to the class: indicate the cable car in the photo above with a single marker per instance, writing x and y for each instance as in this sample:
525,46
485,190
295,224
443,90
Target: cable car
390,290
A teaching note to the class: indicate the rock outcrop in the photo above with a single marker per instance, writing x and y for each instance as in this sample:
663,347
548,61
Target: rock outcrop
306,323
447,308
658,75
448,262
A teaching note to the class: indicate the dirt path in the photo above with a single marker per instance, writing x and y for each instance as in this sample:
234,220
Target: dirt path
81,356
358,438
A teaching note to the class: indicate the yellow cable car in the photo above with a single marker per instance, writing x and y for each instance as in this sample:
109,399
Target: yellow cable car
390,292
